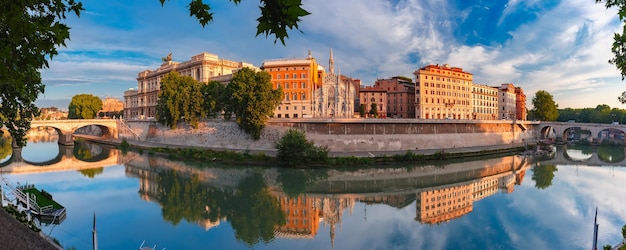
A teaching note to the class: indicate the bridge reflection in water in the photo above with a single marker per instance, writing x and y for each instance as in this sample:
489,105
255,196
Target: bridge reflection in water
80,156
441,193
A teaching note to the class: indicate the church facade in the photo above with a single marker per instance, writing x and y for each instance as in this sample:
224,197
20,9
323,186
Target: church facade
334,98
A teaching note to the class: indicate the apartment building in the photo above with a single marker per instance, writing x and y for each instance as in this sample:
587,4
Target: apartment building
443,92
507,101
400,96
298,78
484,102
520,104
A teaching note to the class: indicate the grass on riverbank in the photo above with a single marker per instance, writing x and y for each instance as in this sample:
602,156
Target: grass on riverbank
260,159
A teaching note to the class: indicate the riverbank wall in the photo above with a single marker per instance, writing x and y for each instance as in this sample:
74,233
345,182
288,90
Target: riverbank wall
346,136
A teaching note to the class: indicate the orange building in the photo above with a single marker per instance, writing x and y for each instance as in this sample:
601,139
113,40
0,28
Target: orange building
373,95
444,204
301,215
443,92
520,104
298,78
400,96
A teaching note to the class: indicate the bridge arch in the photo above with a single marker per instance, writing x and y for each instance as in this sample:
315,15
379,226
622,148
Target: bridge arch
66,128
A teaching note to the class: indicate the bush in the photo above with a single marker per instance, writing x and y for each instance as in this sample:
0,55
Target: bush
294,149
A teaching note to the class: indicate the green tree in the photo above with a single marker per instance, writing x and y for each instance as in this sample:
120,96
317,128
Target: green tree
180,97
374,110
544,107
214,100
252,100
30,32
276,16
543,175
624,231
362,110
619,40
84,106
294,149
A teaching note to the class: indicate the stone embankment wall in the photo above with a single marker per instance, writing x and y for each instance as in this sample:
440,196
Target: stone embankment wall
346,135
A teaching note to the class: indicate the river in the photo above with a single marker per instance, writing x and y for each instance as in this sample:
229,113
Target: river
507,202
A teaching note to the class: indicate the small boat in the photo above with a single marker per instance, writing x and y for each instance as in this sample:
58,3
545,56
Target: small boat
41,204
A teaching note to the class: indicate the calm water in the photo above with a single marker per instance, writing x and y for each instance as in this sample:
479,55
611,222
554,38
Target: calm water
501,203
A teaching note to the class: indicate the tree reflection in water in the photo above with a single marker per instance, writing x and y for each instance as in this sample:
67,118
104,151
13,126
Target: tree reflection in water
543,175
253,212
295,181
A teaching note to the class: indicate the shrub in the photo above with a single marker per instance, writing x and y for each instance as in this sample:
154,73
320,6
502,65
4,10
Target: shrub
294,149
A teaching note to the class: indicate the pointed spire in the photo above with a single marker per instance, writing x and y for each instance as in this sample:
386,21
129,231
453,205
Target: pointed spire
331,62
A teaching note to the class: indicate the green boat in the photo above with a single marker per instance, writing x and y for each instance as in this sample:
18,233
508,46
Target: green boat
41,204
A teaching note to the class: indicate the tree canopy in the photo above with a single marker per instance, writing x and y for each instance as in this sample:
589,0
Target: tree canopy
276,16
600,114
84,106
544,107
30,32
252,99
180,97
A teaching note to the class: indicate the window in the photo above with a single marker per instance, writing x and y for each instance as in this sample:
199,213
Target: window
295,75
295,96
295,116
286,115
303,75
286,75
303,85
278,76
303,96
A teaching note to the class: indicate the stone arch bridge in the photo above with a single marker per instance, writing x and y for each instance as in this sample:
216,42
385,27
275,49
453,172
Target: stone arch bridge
560,129
66,128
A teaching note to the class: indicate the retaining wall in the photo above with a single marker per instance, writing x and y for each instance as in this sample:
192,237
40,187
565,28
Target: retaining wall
347,135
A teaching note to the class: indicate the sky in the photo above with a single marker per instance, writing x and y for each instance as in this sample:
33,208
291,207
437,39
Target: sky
562,47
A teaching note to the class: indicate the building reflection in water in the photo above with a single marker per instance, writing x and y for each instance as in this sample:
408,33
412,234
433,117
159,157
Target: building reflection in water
441,194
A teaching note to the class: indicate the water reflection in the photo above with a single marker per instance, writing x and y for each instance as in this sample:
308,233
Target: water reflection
291,203
464,205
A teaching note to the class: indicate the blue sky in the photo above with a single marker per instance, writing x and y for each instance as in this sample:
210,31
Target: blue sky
558,46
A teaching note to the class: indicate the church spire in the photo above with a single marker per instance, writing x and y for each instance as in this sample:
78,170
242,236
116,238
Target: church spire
331,62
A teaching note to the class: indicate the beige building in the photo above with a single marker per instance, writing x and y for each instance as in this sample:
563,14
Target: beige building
507,102
443,92
111,108
484,102
373,95
141,102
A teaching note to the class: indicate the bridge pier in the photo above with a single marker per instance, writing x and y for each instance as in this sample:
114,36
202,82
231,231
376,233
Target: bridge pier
66,139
